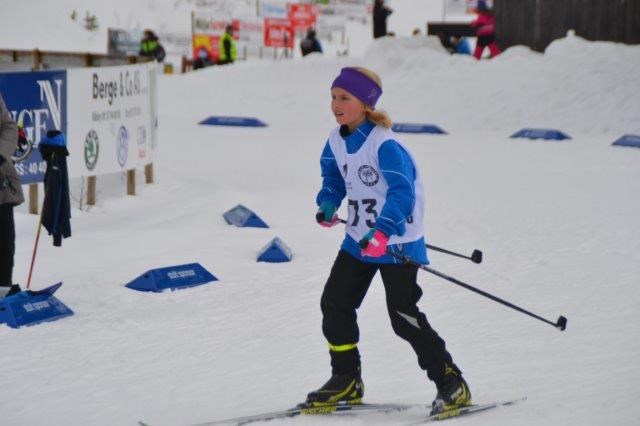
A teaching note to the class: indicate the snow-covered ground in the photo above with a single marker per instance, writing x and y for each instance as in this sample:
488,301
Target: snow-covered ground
557,222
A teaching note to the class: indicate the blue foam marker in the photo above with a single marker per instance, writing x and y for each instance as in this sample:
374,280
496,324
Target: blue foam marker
274,252
241,216
233,121
628,140
546,134
417,128
172,277
32,307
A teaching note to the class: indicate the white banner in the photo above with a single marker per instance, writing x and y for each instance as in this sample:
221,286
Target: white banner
112,119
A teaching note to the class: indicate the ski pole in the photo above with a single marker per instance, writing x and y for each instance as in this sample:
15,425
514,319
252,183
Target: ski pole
476,256
35,249
561,324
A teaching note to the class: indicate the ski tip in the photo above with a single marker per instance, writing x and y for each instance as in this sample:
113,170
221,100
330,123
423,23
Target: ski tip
141,423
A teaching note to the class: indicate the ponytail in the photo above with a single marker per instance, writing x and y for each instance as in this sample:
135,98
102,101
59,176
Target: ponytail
379,117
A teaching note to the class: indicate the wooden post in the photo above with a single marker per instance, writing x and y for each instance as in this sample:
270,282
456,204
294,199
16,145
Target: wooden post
37,59
91,191
131,182
148,173
33,198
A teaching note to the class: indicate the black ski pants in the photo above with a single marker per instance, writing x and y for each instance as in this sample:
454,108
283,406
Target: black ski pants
343,293
7,244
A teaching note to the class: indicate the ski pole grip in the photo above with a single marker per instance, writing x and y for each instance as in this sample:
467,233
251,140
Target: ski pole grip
562,323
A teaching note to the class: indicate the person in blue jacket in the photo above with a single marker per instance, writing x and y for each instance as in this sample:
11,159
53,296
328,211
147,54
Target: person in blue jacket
364,162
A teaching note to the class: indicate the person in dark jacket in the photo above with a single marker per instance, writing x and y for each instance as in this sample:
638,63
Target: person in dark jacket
10,196
150,47
380,14
310,43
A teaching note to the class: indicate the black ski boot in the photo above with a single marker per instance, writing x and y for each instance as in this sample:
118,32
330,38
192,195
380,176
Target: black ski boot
341,388
453,393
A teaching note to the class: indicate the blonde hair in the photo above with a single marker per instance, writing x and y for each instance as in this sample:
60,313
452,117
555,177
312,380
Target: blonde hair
379,117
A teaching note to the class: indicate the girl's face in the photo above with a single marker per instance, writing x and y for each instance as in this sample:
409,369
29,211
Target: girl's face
347,108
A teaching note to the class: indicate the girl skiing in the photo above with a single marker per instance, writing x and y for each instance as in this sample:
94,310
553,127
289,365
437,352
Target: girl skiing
363,161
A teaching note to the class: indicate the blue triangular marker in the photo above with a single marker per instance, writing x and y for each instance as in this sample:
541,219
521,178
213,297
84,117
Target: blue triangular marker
32,307
172,277
417,128
275,251
628,140
241,216
546,134
233,121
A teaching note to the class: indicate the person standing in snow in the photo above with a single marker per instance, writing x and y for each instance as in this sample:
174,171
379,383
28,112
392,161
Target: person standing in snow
150,46
10,195
363,161
310,43
380,14
228,50
485,25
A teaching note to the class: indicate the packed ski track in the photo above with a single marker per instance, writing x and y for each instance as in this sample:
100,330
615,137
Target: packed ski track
557,223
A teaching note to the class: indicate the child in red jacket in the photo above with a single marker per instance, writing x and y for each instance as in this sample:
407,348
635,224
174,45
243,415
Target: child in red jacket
485,24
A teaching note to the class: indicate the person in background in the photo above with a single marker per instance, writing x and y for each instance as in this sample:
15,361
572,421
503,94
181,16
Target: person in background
310,43
150,47
10,196
203,60
380,14
485,24
459,45
364,162
228,50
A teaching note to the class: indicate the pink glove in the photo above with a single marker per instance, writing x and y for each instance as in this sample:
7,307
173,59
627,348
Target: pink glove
327,216
334,221
374,244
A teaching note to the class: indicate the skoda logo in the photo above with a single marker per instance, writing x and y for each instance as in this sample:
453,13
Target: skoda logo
91,149
368,175
122,146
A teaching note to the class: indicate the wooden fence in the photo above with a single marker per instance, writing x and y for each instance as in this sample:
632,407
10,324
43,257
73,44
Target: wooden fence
32,60
536,23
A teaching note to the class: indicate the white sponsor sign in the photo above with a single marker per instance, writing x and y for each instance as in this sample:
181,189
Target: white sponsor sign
111,118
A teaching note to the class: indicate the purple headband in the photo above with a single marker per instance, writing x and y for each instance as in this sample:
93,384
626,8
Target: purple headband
359,85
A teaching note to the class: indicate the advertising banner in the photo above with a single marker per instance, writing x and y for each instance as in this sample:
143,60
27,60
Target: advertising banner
127,42
278,33
302,15
206,32
38,100
273,10
113,124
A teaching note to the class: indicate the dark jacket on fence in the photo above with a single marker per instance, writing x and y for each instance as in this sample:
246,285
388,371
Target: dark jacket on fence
380,14
56,211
